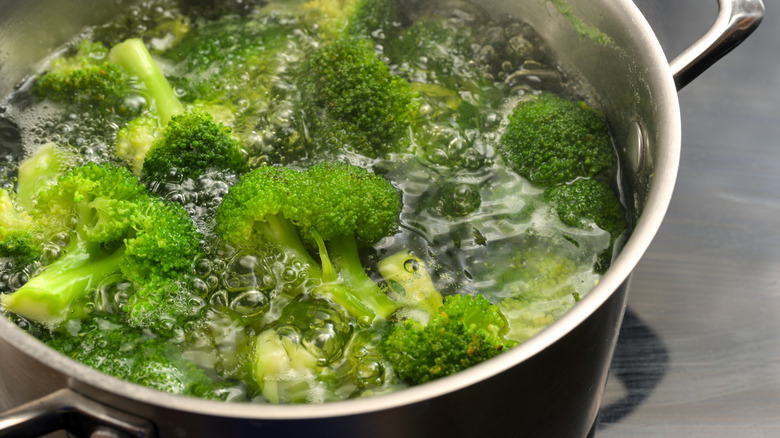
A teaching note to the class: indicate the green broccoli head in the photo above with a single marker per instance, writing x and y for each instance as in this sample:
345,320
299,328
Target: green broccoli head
352,100
191,145
586,202
111,347
552,140
466,331
86,78
335,199
349,201
332,206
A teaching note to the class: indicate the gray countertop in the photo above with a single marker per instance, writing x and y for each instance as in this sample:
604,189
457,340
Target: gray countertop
699,352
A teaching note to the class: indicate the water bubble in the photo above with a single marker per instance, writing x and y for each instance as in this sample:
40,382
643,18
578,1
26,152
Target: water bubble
219,300
412,265
370,371
250,303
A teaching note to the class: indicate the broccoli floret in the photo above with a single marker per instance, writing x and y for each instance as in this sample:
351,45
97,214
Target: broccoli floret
552,140
183,144
20,235
466,331
379,20
586,202
352,100
290,358
435,50
40,169
135,139
336,206
86,78
192,144
109,346
114,226
543,284
463,332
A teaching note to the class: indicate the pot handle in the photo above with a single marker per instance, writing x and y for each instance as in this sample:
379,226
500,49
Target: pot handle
67,410
736,20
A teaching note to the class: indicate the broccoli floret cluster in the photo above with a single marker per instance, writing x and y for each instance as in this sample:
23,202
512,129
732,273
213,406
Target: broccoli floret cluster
464,332
113,226
352,100
551,140
85,78
333,206
251,223
109,346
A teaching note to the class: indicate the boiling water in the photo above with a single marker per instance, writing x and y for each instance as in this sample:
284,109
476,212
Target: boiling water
241,291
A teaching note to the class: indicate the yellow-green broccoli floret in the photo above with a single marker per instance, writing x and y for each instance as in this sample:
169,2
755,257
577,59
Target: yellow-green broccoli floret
465,331
85,78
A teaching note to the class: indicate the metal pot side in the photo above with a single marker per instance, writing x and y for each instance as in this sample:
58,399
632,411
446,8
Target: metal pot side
550,386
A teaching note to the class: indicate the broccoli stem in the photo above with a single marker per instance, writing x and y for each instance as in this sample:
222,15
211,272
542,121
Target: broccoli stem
133,56
344,253
279,231
410,282
36,171
53,295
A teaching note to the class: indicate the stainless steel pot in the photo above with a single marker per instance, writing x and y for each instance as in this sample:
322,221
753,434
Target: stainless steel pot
550,386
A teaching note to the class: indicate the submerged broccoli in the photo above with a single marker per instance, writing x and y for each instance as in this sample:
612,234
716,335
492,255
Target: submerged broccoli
352,100
85,78
586,202
111,347
464,331
114,226
336,206
543,282
290,357
552,140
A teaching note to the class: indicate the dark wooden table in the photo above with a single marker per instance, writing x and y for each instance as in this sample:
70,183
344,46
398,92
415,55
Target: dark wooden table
699,353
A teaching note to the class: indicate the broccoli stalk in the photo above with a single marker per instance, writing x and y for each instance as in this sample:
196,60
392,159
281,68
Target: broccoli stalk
439,339
133,56
331,206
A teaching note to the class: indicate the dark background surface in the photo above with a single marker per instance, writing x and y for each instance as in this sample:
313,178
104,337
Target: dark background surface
699,352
